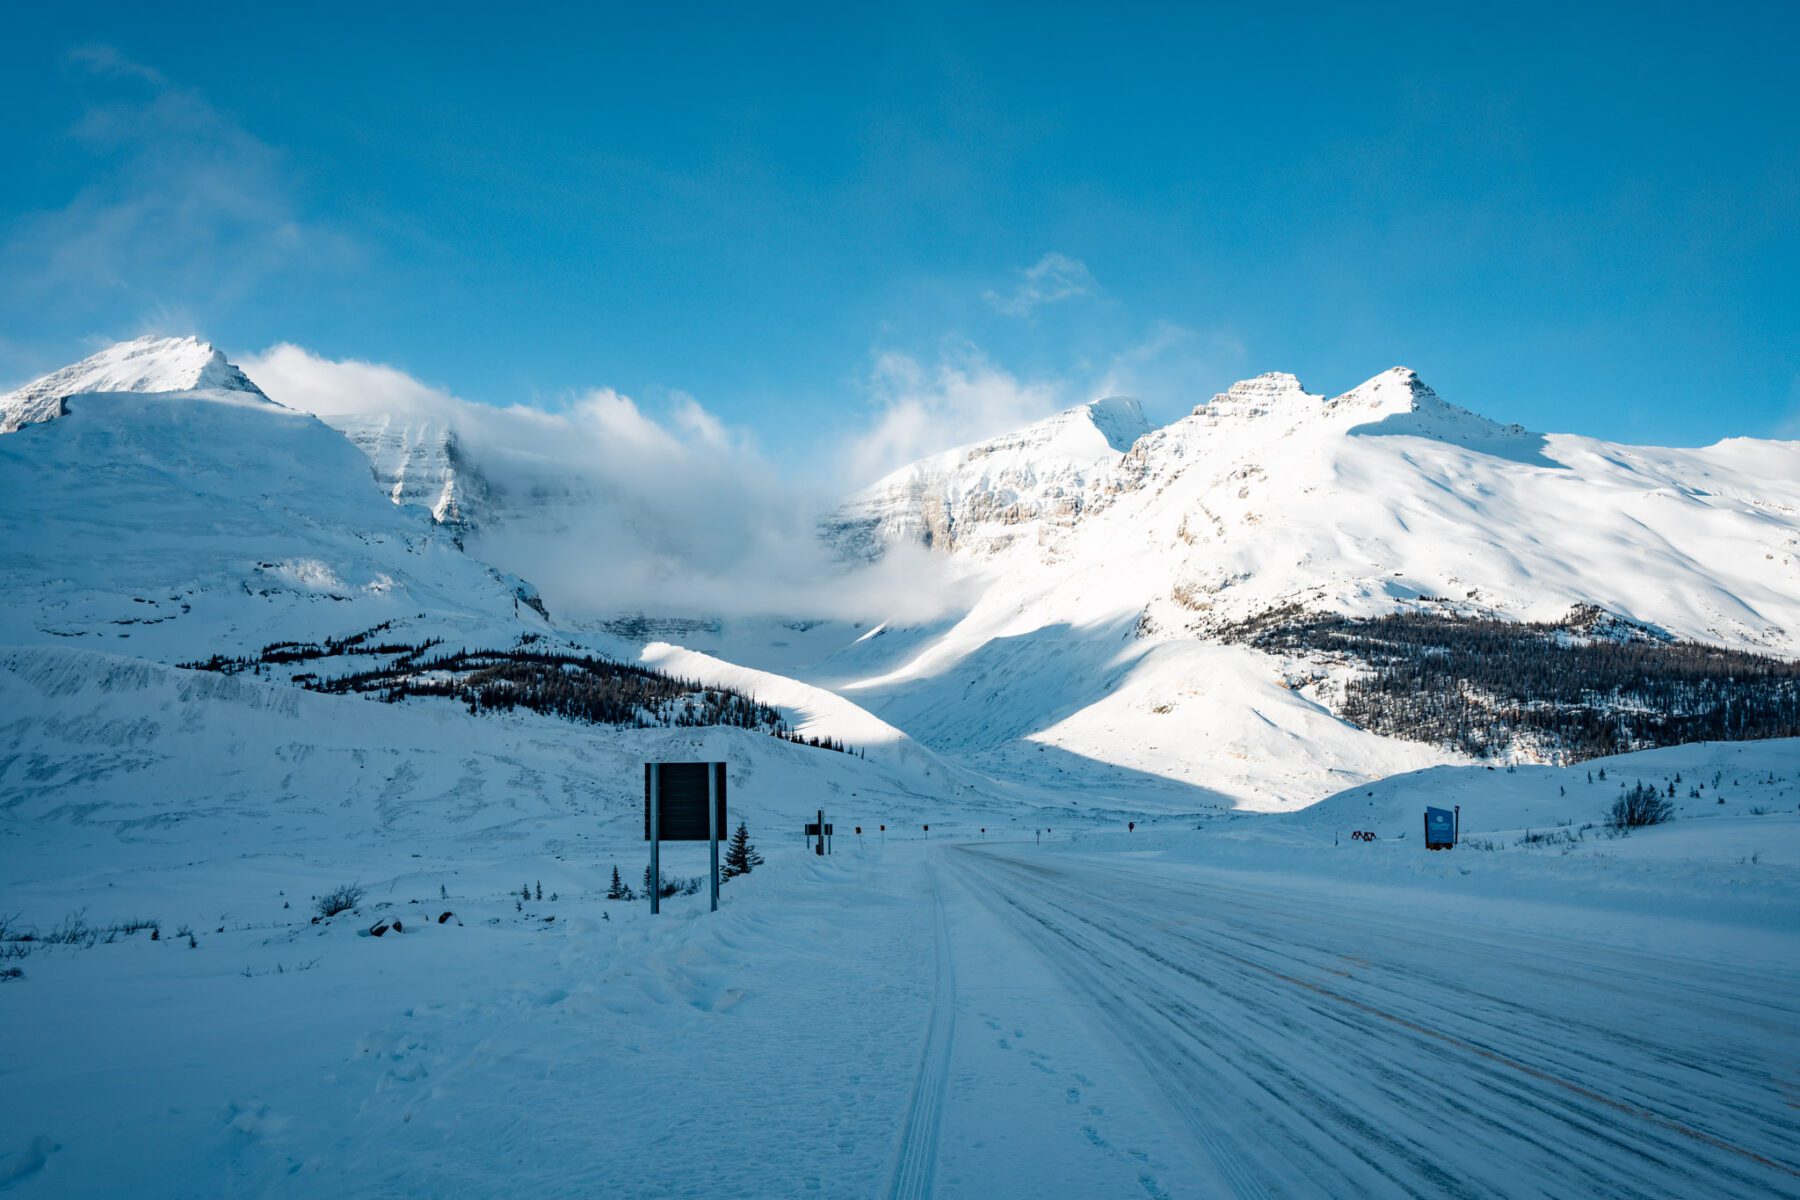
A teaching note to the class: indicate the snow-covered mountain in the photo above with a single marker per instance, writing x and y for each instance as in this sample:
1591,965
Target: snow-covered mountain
183,517
148,364
1104,597
167,508
157,503
1386,495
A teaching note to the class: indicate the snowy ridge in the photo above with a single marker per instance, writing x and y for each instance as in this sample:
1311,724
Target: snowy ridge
148,364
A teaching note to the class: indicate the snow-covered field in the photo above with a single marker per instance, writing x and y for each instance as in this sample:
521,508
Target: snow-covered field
1258,1005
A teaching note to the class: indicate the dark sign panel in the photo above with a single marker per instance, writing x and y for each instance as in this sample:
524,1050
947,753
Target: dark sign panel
681,800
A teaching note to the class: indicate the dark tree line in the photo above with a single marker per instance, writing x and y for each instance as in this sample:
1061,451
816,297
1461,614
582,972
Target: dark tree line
577,687
816,742
1477,685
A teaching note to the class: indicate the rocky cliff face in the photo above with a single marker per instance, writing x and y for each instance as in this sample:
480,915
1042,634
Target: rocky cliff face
420,461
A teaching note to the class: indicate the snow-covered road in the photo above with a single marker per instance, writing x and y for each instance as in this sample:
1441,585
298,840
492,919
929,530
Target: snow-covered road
1316,1048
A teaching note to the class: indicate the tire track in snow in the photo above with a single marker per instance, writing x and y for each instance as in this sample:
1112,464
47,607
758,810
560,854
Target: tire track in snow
1226,1031
915,1166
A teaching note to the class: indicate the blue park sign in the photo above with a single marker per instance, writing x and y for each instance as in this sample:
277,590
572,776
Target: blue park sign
1440,828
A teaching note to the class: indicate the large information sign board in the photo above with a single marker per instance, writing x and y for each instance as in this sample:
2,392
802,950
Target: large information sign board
683,802
681,799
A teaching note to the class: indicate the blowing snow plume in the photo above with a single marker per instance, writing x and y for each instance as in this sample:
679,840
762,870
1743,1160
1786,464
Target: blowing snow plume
604,507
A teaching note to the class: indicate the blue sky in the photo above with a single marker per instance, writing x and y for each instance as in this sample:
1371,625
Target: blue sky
1579,217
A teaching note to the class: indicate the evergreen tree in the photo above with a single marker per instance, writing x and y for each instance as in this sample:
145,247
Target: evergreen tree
619,890
740,855
540,889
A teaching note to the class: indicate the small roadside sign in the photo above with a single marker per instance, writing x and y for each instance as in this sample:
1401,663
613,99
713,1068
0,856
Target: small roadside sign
1441,827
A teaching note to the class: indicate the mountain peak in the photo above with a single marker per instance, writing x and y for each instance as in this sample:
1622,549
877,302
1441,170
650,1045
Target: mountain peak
1254,397
145,364
1397,389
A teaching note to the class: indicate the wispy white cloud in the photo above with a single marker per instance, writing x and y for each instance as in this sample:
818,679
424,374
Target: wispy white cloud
1173,365
1054,277
183,209
618,509
922,408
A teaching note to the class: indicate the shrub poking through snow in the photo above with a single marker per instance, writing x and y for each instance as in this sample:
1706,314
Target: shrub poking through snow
1640,805
340,899
674,887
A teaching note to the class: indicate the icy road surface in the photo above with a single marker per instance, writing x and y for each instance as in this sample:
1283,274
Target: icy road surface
1307,1046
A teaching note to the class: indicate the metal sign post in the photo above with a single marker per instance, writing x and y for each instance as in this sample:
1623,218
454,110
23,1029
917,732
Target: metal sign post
655,838
712,832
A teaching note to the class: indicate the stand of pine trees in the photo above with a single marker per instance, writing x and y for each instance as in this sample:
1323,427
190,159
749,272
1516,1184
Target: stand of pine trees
1587,686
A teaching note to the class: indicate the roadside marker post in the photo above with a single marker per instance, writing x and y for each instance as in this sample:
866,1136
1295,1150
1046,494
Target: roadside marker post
821,829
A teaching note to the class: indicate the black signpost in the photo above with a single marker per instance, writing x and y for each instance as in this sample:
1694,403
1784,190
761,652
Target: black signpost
820,829
683,802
